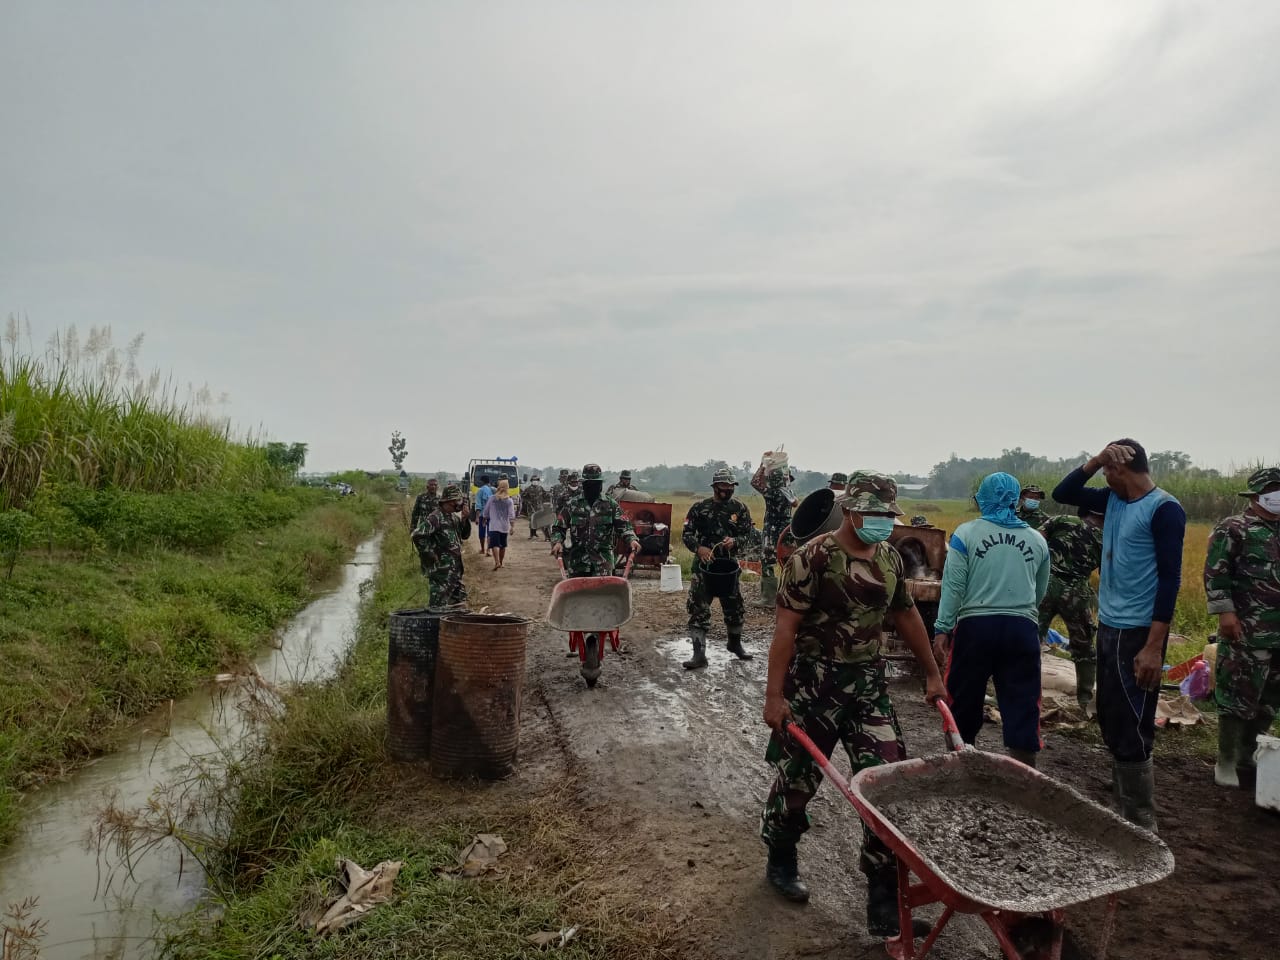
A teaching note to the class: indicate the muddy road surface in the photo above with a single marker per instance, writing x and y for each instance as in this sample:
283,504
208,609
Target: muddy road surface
670,764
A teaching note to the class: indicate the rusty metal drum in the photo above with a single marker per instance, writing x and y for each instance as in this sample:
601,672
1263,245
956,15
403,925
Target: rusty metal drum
411,669
475,718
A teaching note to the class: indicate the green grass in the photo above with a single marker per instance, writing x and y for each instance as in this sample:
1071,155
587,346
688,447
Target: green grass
320,787
94,637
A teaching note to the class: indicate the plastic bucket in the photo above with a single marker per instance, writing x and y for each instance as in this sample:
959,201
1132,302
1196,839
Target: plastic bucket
669,580
721,577
475,725
1268,758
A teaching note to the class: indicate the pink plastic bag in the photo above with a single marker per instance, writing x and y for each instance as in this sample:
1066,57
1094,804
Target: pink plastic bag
1196,685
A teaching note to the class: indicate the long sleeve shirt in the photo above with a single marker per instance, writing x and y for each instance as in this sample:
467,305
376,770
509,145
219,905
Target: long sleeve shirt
992,570
1141,567
498,513
1242,576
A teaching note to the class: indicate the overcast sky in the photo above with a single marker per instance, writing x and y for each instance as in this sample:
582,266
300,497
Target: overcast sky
645,232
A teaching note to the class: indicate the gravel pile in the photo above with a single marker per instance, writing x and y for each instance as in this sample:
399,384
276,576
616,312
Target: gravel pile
999,852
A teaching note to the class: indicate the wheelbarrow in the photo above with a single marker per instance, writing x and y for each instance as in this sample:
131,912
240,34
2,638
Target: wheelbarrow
945,872
590,610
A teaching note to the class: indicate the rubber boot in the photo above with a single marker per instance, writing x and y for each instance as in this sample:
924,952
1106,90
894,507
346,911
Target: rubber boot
1246,765
783,873
735,645
769,587
1231,734
699,659
882,903
1027,757
1137,783
1086,675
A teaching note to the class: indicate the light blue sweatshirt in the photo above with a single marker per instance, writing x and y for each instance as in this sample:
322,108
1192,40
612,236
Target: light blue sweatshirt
992,569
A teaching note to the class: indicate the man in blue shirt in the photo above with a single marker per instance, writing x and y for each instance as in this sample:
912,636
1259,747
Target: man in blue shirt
482,497
1139,578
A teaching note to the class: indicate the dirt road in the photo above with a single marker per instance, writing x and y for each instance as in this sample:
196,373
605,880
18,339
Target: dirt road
670,765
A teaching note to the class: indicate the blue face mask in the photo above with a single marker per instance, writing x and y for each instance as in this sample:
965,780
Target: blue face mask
1031,504
875,529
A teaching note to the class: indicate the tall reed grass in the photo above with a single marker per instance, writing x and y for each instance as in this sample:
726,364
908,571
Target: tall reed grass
83,414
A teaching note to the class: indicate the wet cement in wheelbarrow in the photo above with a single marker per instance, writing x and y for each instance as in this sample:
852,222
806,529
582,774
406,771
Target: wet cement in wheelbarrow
602,609
1001,852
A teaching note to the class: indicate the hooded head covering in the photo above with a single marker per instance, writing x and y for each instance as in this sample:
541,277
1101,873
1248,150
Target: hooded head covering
504,488
997,495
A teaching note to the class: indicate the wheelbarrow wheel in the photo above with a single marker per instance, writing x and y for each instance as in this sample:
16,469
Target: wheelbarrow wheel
591,666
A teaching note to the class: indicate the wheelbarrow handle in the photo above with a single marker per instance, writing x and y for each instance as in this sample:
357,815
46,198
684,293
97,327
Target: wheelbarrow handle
631,559
949,727
831,773
563,574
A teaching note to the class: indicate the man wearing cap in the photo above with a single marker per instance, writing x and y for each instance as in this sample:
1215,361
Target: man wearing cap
425,503
1075,551
838,482
594,523
1029,507
773,486
533,497
572,488
557,489
714,528
624,483
826,674
439,538
1242,584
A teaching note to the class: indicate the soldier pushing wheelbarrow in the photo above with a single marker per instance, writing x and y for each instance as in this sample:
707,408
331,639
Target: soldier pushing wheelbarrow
592,523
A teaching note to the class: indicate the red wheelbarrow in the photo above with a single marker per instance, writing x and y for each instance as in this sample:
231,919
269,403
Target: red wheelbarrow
948,872
591,609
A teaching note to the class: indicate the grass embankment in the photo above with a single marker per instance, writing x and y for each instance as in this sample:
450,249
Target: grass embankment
134,597
321,787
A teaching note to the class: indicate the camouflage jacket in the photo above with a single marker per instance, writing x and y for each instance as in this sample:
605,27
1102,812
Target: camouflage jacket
777,511
1242,576
533,497
844,599
1035,519
422,507
594,529
709,521
566,494
1075,548
439,538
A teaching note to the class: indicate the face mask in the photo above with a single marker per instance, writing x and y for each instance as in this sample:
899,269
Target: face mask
875,529
1270,502
591,489
1031,504
723,495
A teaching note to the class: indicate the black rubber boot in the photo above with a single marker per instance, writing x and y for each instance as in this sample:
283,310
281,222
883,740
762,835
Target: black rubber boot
1024,756
1231,732
1137,784
1086,678
783,874
882,903
699,637
735,646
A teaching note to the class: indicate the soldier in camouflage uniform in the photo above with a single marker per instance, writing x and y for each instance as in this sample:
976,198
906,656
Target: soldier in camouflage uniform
838,482
425,504
439,538
1075,550
557,489
594,522
572,488
715,527
1029,507
533,497
826,675
778,504
1242,584
624,483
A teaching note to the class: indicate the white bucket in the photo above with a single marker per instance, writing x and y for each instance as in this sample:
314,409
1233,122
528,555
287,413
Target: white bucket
670,581
1268,757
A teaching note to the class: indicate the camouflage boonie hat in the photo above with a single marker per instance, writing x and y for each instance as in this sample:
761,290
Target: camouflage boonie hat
869,492
723,475
625,475
592,471
1030,489
920,521
451,492
1259,480
838,478
564,474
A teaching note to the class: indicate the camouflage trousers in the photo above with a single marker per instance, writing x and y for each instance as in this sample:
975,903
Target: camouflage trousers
1247,682
771,531
832,703
446,584
1075,602
698,603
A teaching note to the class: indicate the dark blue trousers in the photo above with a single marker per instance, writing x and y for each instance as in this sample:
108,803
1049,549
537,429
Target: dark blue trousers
1126,712
1005,649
